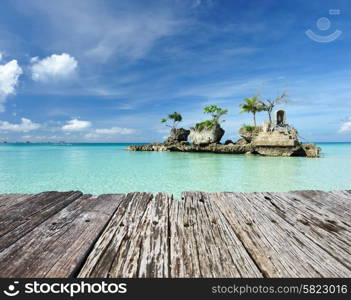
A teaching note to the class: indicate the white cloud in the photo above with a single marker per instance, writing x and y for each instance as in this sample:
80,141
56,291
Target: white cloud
109,132
34,59
25,126
115,130
54,67
345,127
1,56
9,74
76,125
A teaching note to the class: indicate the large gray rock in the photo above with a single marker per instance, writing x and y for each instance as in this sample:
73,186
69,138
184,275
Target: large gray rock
282,141
311,150
277,141
177,136
283,138
304,150
249,135
206,136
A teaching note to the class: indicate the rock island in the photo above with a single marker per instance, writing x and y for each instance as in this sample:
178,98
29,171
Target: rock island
274,138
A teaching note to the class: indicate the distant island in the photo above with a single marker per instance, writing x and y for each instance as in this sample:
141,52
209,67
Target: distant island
274,138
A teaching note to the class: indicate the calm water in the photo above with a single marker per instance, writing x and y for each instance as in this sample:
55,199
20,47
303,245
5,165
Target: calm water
108,168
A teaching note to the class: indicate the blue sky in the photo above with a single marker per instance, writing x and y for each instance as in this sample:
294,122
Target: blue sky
96,71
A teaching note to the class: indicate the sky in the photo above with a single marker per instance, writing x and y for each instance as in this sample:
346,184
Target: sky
110,70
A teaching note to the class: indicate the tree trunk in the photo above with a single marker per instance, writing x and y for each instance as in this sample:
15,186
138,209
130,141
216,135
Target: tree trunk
254,117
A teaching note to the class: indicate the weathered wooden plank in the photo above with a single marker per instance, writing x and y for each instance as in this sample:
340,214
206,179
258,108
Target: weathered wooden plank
154,248
338,202
278,248
58,246
185,261
135,243
334,204
297,234
202,242
4,197
8,200
126,217
23,216
316,222
343,193
180,263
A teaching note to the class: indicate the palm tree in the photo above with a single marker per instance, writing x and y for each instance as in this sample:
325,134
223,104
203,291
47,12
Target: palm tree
251,105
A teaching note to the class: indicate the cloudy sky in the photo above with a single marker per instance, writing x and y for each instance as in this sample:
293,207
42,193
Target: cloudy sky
95,71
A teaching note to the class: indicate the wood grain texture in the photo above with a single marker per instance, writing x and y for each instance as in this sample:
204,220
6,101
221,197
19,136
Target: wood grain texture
59,245
202,242
295,234
8,200
338,202
24,216
135,242
277,246
330,231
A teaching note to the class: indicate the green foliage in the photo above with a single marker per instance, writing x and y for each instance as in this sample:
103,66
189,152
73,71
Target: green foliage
252,105
205,124
216,113
175,118
249,128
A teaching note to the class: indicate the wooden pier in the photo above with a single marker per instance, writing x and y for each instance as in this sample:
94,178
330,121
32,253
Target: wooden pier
68,234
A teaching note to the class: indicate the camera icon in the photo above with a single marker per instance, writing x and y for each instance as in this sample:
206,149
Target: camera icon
324,24
12,290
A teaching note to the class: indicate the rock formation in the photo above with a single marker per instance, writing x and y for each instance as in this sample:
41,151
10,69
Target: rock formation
177,136
248,133
228,142
186,147
240,147
276,139
206,136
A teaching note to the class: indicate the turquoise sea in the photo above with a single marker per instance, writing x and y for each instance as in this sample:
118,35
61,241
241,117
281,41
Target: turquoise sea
109,168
